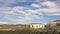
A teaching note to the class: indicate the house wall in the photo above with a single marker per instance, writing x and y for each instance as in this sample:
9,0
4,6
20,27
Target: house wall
37,26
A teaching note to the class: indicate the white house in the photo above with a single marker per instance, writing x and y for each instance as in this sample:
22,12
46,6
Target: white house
36,25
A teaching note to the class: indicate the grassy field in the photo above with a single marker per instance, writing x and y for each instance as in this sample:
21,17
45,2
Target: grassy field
27,32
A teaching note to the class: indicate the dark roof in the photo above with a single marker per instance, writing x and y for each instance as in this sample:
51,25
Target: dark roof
56,20
35,23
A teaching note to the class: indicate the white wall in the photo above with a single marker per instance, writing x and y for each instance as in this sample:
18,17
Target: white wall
37,26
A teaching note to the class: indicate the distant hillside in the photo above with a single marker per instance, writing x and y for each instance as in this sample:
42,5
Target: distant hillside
6,27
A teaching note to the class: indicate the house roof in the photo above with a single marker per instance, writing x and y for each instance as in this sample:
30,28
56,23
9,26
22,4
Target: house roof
35,23
56,21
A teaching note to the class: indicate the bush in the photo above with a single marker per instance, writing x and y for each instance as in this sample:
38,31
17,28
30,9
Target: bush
27,32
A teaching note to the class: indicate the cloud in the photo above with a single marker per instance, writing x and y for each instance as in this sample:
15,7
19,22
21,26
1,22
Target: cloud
35,5
37,0
18,8
18,12
49,4
51,10
32,11
54,14
3,22
10,2
22,13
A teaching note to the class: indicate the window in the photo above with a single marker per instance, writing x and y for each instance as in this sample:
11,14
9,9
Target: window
32,26
37,26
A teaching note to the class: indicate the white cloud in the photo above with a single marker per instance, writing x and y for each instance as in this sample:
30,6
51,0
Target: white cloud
36,5
5,9
37,0
28,14
18,8
50,10
57,14
3,22
32,11
10,12
50,4
54,14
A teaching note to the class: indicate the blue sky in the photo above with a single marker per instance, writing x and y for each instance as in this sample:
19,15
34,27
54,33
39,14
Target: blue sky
29,11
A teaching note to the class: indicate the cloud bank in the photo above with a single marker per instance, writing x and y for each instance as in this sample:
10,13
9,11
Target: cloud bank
24,13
